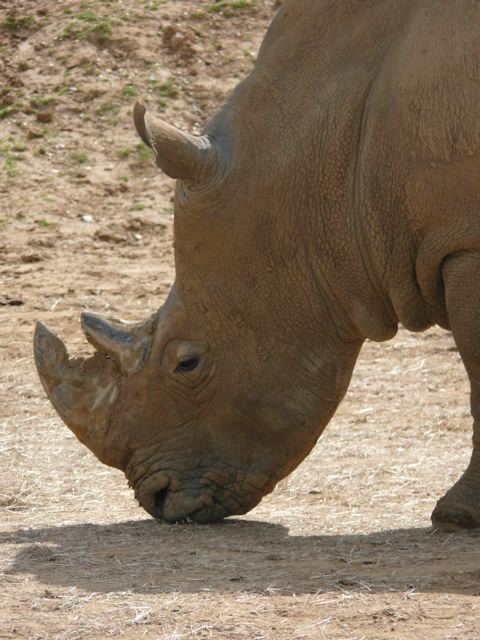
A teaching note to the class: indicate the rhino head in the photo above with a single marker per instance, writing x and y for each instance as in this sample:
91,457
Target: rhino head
210,402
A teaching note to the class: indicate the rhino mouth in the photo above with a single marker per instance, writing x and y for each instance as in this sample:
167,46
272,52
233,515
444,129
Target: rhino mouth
170,506
167,502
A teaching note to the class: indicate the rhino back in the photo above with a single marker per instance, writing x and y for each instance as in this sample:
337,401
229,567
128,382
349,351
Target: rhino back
359,120
422,152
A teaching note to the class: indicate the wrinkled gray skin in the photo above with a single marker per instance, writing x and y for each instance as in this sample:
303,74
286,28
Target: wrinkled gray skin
336,194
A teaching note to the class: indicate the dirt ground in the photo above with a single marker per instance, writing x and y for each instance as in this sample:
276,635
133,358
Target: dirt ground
343,548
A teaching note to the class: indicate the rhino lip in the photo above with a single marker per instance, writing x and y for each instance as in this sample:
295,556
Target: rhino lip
205,511
204,515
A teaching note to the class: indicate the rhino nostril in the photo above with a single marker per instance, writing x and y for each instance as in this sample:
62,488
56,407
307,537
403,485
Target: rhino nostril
159,501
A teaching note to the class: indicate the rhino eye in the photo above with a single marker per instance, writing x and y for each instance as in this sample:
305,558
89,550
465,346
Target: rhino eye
187,365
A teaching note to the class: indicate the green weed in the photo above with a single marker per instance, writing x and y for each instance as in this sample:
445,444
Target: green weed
144,153
37,101
14,23
107,107
88,26
87,16
11,165
124,153
10,160
79,157
129,91
167,89
6,111
228,6
46,224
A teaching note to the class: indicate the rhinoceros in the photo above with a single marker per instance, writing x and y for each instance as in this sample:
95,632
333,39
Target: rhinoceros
335,195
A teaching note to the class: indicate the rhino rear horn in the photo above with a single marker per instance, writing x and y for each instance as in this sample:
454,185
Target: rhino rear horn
128,348
180,155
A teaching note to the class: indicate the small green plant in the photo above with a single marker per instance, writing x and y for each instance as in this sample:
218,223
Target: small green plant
62,90
79,157
4,222
10,160
88,26
11,165
153,5
14,23
143,152
6,111
137,207
87,67
46,224
130,91
124,152
37,101
106,107
100,32
226,6
168,89
87,16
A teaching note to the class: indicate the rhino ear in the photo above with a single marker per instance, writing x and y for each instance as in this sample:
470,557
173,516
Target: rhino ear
179,155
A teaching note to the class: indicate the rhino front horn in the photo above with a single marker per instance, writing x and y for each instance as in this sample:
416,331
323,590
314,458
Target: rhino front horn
179,155
83,392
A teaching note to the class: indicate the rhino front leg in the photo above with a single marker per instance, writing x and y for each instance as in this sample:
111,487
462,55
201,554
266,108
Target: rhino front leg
460,507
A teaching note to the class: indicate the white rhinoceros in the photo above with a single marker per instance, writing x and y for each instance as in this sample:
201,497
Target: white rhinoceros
334,195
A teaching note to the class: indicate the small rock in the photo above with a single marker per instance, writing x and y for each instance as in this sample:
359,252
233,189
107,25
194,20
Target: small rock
6,100
34,132
112,237
86,218
11,302
31,257
44,116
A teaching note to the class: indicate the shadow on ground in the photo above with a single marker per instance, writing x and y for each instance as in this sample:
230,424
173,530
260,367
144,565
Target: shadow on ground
245,555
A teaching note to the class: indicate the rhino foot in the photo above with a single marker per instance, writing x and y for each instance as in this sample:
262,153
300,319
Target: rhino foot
454,516
459,509
460,506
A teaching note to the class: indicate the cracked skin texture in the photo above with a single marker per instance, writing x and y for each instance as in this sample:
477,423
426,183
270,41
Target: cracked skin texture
335,194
